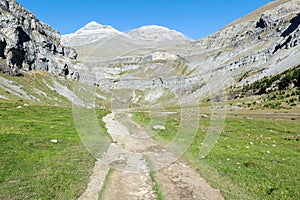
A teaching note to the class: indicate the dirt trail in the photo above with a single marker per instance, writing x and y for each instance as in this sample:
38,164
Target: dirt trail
180,181
96,182
131,179
129,186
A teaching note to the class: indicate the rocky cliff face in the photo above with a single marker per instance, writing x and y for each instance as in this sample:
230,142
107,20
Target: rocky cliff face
261,44
29,44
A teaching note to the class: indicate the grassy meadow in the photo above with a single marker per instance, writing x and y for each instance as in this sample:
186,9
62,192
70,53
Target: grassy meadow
33,167
253,158
256,156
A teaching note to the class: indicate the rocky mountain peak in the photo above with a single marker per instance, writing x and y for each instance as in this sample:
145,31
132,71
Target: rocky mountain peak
94,28
155,32
92,25
90,33
263,43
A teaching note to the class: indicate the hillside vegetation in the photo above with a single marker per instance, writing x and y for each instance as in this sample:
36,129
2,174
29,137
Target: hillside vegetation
287,80
281,91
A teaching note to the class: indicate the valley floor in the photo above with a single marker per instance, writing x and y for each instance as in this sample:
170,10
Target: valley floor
42,157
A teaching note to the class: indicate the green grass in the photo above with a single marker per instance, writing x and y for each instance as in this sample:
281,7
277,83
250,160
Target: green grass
253,159
105,183
32,167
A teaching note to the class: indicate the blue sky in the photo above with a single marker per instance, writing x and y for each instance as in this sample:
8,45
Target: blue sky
194,18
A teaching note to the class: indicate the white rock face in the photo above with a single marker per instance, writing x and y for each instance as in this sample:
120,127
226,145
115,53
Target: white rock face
159,127
164,56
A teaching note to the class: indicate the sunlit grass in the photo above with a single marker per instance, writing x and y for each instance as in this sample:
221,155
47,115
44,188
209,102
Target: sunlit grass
253,159
33,167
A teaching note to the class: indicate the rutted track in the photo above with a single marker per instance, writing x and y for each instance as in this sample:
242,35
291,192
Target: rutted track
132,180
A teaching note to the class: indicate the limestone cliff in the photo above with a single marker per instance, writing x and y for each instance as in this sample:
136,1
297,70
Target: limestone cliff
28,44
263,43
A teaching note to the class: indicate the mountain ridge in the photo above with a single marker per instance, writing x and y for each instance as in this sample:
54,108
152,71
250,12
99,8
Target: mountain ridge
143,33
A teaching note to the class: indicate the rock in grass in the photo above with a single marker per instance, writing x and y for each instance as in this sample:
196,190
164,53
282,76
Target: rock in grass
54,141
159,127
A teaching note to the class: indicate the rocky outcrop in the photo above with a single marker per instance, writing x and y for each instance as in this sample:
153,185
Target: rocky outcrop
263,43
29,44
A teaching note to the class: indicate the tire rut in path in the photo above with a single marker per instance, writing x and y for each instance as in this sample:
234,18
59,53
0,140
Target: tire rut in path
180,181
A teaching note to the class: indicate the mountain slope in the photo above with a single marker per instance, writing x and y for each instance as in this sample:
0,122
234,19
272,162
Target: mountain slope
263,43
39,87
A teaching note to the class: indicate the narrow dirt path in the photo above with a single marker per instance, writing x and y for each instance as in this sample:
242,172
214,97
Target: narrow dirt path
131,179
96,182
129,186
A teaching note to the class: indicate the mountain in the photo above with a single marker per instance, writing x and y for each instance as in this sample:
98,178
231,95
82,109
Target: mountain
156,33
34,66
95,32
263,43
260,44
112,43
28,44
151,58
90,33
